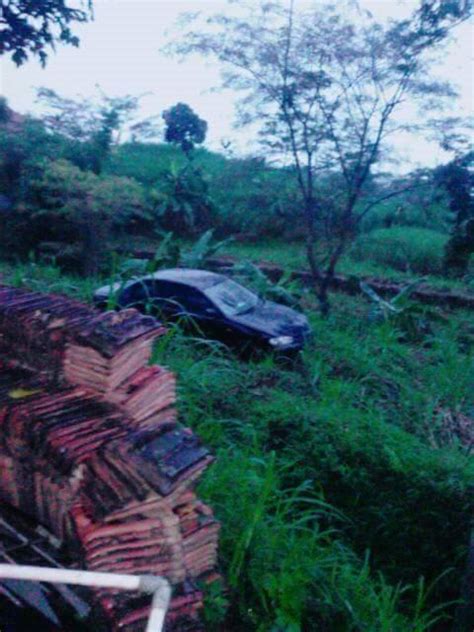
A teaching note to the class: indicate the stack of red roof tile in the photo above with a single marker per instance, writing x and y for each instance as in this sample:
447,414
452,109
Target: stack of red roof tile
146,397
90,447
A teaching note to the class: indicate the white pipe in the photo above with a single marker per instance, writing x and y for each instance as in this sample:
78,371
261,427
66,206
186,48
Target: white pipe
63,576
158,586
159,606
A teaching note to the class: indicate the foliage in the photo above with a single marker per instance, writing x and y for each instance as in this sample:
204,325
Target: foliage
249,197
256,200
4,110
420,204
183,202
417,250
91,127
202,250
30,27
41,277
458,180
411,319
184,127
171,253
74,213
20,147
283,291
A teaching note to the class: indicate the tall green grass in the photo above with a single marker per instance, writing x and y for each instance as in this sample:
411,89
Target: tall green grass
315,466
341,507
408,249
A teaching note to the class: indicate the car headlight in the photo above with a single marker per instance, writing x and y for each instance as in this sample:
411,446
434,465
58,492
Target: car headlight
281,341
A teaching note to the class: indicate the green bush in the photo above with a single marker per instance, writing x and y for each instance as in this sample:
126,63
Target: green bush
418,250
425,207
70,214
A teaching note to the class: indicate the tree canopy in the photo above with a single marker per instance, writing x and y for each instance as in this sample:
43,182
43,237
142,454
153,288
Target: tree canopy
32,27
93,126
184,127
457,178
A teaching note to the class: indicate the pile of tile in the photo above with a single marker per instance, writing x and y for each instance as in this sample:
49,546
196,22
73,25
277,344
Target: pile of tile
90,447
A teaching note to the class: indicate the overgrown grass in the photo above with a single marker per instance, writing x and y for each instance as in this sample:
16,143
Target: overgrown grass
335,490
360,263
47,278
315,466
404,248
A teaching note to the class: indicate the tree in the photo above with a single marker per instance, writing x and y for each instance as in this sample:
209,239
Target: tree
92,127
22,143
324,88
184,202
4,110
30,27
457,178
184,127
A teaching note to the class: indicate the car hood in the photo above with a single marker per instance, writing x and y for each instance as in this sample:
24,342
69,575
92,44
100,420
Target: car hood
274,320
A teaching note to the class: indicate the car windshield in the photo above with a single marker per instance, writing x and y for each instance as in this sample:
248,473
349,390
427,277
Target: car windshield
232,298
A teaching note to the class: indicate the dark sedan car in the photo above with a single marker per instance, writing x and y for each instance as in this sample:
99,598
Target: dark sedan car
220,307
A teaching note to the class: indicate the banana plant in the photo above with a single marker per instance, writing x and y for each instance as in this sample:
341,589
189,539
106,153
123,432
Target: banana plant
384,309
412,319
202,250
284,291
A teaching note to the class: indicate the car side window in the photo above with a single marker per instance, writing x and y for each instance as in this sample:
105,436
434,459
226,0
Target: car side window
190,299
199,303
137,294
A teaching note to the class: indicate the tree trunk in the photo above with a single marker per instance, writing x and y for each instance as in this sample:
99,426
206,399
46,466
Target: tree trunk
324,304
321,287
91,242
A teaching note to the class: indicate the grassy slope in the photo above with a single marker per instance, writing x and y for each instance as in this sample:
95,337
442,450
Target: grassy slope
292,256
318,464
147,162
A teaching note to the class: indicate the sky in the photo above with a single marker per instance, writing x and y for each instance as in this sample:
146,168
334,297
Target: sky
121,51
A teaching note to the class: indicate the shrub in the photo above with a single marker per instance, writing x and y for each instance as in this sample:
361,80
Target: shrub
417,250
71,213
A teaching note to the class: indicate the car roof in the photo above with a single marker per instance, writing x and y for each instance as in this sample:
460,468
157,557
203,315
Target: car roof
201,279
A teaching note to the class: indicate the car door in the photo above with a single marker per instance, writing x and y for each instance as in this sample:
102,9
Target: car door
137,294
150,296
198,313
